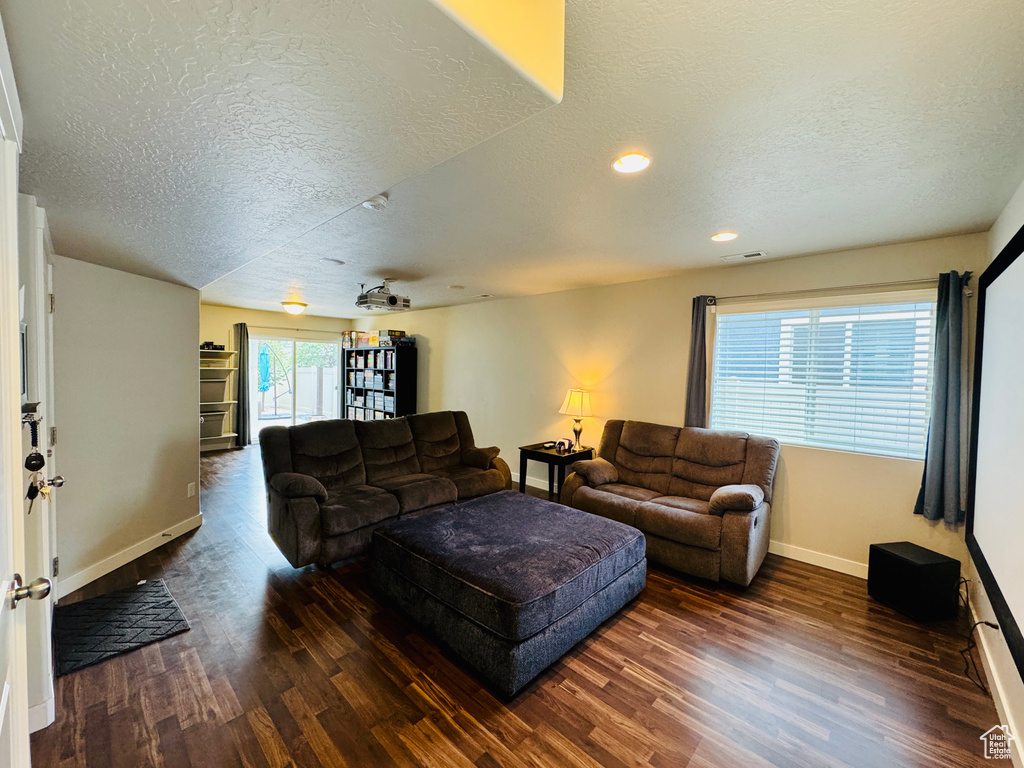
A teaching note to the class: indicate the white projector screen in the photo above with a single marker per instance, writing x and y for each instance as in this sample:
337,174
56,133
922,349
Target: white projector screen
995,524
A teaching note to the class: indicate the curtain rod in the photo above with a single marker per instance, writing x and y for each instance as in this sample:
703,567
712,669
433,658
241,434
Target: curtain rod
280,328
931,282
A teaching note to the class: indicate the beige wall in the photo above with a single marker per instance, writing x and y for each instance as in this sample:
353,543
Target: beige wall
216,322
127,385
1001,670
509,362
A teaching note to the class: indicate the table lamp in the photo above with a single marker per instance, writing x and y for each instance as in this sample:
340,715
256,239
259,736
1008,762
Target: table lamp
577,405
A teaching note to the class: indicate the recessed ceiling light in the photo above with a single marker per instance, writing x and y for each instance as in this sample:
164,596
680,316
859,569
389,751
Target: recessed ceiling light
724,237
631,163
484,295
293,307
329,260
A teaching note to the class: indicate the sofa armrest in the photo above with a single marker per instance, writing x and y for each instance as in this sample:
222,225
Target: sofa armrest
295,526
499,464
480,458
735,498
745,539
292,485
596,471
572,484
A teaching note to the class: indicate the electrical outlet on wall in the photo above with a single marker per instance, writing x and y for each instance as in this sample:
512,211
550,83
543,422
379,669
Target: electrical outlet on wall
191,490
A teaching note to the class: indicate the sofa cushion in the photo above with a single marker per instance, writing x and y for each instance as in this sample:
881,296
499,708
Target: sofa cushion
436,439
612,500
762,459
418,490
355,507
680,519
610,439
471,481
706,459
509,562
388,449
644,455
683,502
276,451
329,451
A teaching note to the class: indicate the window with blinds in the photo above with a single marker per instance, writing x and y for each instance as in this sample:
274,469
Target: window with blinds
855,378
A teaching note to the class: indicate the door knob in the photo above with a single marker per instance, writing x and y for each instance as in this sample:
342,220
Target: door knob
56,482
37,590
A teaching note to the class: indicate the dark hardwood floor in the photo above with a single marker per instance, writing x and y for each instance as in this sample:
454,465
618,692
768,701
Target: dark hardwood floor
302,668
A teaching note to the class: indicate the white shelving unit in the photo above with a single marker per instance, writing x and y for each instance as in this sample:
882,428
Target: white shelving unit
218,384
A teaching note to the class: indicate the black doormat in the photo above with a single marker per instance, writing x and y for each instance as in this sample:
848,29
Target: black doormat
93,630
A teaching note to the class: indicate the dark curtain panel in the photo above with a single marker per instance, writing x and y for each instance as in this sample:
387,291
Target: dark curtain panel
697,378
242,407
939,498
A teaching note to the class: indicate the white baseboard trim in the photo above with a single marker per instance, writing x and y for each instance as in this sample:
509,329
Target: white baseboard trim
833,563
532,482
69,584
996,686
42,715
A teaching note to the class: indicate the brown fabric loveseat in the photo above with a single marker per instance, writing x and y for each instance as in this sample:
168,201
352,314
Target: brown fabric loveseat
702,497
331,483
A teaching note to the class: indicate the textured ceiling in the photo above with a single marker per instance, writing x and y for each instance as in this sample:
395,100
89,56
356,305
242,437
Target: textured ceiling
180,140
805,126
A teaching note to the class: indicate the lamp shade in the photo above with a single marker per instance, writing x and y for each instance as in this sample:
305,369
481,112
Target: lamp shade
576,403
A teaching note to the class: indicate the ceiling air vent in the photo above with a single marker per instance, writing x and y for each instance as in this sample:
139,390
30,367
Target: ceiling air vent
744,257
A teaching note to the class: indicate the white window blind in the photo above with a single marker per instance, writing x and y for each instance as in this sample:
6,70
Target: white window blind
854,378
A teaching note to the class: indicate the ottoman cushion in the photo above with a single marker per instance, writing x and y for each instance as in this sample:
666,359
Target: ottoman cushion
509,665
507,581
512,563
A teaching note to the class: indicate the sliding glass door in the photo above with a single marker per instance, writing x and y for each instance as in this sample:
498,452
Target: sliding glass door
316,381
292,381
274,378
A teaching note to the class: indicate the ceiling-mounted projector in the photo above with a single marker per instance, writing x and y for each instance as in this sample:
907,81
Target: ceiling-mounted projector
381,297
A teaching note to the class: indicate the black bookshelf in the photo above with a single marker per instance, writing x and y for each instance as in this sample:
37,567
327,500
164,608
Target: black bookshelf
380,382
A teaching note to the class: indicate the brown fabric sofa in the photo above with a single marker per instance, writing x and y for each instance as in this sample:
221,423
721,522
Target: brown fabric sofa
702,497
331,483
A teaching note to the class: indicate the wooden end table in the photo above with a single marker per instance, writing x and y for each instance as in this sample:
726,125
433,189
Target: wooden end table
553,459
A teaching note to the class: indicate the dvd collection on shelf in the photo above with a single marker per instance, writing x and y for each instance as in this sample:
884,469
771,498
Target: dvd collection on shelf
369,339
375,359
380,383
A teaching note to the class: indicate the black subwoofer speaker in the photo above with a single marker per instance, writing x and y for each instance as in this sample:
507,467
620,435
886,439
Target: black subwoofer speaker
915,581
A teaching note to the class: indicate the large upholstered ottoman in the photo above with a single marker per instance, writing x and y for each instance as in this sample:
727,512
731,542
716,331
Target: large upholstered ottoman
507,581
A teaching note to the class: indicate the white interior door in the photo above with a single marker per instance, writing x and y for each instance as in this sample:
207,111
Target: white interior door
39,514
14,744
51,453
